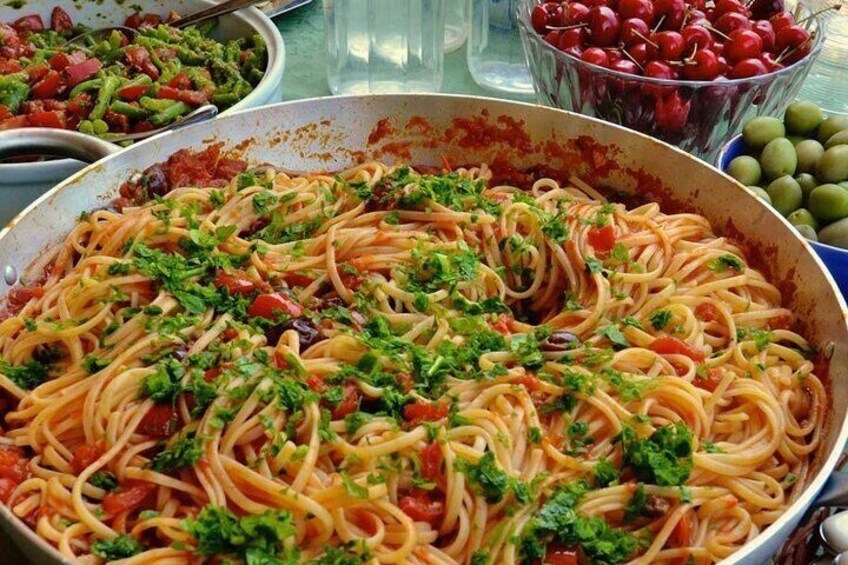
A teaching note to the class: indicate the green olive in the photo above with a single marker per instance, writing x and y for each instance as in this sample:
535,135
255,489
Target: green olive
838,138
760,193
833,164
779,158
786,195
835,234
745,169
843,184
807,231
802,216
809,151
795,139
832,125
808,182
760,130
828,202
802,118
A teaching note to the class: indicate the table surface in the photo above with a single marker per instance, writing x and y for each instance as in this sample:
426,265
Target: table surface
305,77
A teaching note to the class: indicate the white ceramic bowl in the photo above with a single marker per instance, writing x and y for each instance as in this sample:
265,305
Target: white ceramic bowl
21,183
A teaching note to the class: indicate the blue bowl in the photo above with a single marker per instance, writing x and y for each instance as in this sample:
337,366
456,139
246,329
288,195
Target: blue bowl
835,258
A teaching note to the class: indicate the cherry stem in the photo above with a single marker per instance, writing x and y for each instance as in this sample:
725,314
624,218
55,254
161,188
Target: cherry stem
563,28
645,39
835,7
659,24
635,62
711,29
790,50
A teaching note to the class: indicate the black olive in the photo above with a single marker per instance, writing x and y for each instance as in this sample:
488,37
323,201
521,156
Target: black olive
156,181
560,340
306,331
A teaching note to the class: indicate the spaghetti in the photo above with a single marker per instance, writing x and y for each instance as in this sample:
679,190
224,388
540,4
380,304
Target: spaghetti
398,367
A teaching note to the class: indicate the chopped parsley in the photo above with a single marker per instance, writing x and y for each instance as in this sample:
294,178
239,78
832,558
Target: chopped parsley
93,364
255,538
664,458
164,384
614,335
27,376
492,482
441,268
660,319
725,262
185,452
113,549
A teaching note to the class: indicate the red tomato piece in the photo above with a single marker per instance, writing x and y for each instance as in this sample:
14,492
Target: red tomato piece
236,283
783,322
4,112
14,123
35,72
139,57
48,119
60,21
531,382
11,66
271,305
132,93
431,462
297,279
351,281
13,463
349,403
420,507
28,24
710,382
501,325
190,97
160,421
20,295
682,532
133,21
81,71
316,383
229,168
602,239
667,345
129,496
6,488
84,456
706,312
418,412
557,554
180,82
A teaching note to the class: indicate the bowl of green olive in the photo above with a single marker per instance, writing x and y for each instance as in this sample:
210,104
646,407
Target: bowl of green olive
799,165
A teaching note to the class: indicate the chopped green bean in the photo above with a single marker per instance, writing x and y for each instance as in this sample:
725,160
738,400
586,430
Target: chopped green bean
104,96
155,104
134,112
100,127
170,114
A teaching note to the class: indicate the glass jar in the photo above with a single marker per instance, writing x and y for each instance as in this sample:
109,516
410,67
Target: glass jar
456,24
826,85
378,46
495,55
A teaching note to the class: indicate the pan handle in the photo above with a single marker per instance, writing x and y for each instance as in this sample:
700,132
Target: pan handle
58,142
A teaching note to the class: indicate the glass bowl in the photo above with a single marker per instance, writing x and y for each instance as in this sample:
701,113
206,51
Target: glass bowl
697,116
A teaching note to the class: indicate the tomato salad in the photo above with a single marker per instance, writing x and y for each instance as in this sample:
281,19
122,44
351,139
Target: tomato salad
118,82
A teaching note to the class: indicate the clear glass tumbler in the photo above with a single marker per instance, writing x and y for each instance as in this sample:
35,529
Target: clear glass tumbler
456,24
495,54
378,46
827,83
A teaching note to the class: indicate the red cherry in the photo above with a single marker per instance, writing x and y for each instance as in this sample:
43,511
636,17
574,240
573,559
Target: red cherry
696,5
596,56
696,37
639,53
553,37
642,9
695,14
674,12
576,13
764,9
547,14
771,62
614,54
704,66
764,29
572,37
732,21
604,26
726,6
743,44
723,67
634,30
790,37
593,3
718,47
781,20
575,51
659,69
748,68
670,43
671,112
625,66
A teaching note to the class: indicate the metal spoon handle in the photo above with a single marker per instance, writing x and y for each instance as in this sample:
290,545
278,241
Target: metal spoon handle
201,114
213,12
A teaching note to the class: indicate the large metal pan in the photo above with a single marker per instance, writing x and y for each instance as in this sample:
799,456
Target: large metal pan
332,133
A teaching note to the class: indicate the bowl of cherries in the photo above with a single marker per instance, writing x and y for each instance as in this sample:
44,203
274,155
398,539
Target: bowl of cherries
689,72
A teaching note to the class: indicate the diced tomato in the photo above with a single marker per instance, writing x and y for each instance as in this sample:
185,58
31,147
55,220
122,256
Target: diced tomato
28,24
431,462
406,382
79,105
13,463
349,403
501,325
211,374
602,239
706,312
14,123
60,21
297,279
133,21
84,455
667,345
4,112
133,92
35,72
118,123
229,168
47,119
316,384
681,533
82,71
129,496
180,82
143,126
531,382
710,382
6,488
20,295
160,421
272,305
351,281
558,554
421,508
151,20
139,57
229,334
10,66
783,322
418,412
190,97
238,283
